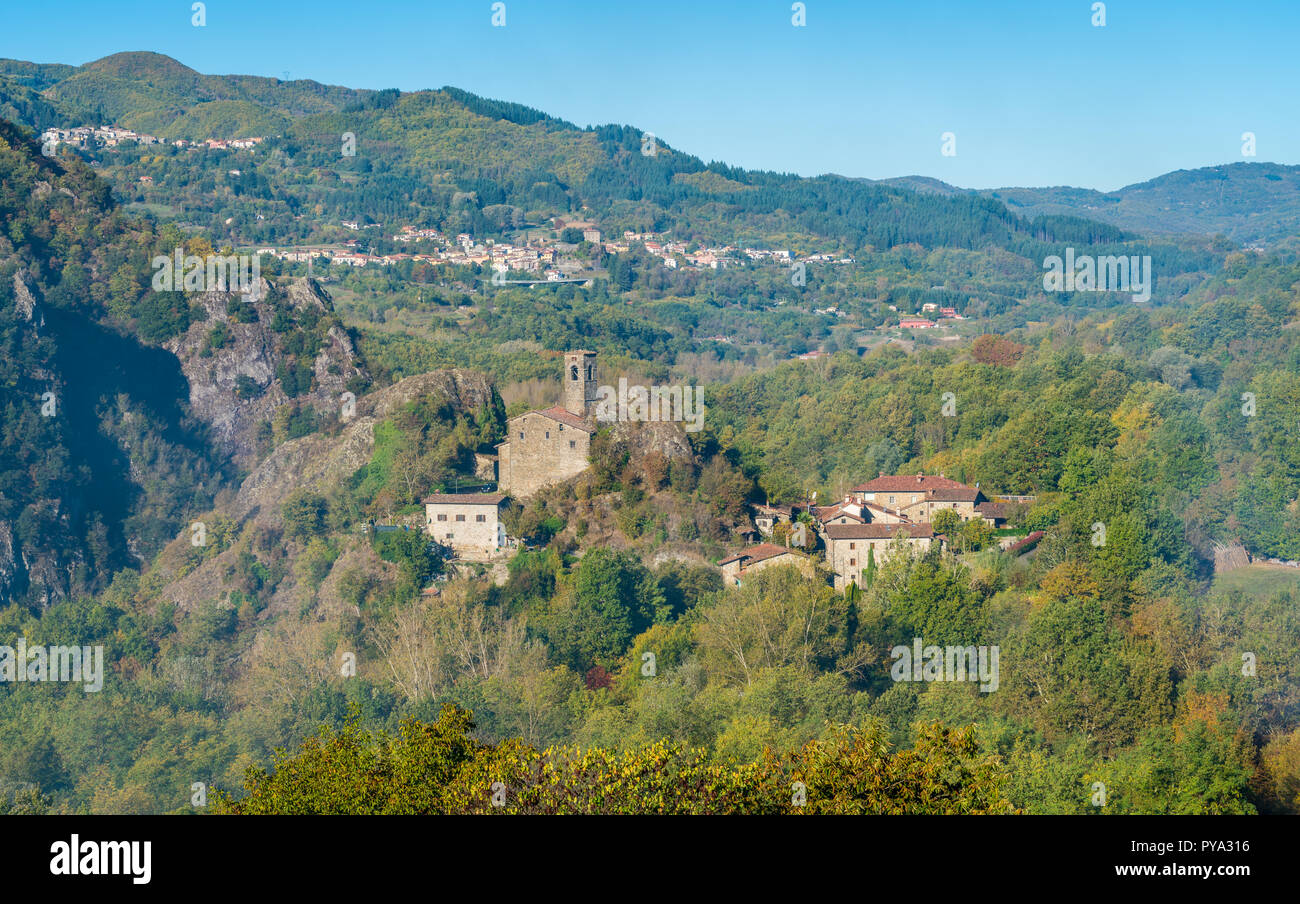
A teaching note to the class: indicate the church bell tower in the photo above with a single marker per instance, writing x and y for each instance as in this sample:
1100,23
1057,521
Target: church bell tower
580,382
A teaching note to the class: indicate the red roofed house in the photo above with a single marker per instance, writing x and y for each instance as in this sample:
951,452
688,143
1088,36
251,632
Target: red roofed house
846,512
756,558
918,496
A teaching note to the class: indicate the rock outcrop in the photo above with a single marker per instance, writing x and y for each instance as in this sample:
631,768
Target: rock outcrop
253,351
319,461
314,462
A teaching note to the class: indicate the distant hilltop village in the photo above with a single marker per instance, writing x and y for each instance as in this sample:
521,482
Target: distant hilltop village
112,136
553,260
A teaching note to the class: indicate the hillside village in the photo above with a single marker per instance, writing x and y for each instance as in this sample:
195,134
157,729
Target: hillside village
554,258
89,137
848,539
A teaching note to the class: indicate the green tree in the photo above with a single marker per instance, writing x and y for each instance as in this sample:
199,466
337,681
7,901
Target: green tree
304,514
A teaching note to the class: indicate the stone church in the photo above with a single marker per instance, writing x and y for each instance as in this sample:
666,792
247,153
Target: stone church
547,446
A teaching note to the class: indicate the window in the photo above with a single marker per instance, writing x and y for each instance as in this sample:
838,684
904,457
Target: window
521,434
480,517
548,434
891,498
573,444
852,562
460,517
442,517
853,546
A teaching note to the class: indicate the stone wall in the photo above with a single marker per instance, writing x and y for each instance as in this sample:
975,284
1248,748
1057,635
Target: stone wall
848,558
457,525
540,451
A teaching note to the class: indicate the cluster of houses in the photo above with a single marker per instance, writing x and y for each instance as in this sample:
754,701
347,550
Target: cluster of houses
861,530
112,136
534,256
94,136
858,532
945,316
538,255
674,253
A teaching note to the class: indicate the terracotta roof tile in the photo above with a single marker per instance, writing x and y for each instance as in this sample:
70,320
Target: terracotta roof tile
566,417
953,494
757,553
877,531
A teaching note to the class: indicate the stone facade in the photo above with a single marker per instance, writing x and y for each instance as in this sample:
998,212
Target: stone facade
767,517
580,389
548,446
545,447
756,558
918,496
470,523
850,546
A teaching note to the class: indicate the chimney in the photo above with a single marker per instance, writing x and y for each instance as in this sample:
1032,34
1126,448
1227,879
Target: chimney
919,478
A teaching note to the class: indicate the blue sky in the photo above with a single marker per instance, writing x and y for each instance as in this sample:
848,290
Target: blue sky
1035,94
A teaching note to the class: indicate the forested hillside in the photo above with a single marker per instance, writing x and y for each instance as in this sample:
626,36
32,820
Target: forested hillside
450,158
101,455
309,649
1250,203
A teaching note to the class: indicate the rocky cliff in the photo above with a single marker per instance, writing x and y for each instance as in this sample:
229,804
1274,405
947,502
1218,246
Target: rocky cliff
314,462
251,347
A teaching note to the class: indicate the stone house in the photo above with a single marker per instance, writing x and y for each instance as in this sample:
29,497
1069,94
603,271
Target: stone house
767,517
469,523
916,497
755,558
550,445
849,547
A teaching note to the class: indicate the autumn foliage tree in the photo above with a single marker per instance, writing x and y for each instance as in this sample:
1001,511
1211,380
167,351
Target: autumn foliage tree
997,350
438,768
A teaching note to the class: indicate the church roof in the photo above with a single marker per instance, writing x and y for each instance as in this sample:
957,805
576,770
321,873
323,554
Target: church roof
566,417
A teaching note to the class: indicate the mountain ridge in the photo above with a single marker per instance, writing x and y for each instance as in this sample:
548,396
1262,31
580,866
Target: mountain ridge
1179,201
451,135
